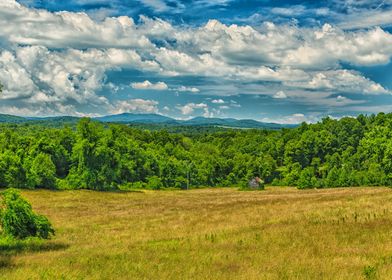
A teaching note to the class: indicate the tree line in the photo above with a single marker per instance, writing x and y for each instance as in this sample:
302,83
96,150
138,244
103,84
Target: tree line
331,153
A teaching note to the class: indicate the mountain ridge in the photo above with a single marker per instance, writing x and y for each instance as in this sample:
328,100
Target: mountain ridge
134,118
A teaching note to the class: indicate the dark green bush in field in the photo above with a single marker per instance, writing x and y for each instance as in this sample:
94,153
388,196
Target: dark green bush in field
370,272
18,220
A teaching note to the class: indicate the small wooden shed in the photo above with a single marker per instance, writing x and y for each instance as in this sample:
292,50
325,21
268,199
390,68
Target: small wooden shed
256,183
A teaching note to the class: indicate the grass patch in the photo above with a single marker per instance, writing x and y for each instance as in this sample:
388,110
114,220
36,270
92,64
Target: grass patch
280,233
10,246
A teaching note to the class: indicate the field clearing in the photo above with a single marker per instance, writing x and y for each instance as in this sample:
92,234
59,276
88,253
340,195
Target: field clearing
280,233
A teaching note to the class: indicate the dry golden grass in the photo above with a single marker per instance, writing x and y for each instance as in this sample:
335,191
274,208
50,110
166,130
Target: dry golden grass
280,233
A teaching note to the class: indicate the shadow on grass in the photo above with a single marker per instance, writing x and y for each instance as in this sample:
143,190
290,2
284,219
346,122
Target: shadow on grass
5,261
11,247
18,247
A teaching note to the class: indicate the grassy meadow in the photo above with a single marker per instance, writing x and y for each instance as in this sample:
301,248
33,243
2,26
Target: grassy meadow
280,233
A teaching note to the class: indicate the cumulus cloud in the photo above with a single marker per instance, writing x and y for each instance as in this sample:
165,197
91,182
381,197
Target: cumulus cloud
66,29
366,19
59,80
60,59
135,105
151,86
342,80
188,89
218,101
280,95
189,108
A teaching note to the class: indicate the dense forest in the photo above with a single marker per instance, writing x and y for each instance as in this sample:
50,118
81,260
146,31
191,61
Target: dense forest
331,153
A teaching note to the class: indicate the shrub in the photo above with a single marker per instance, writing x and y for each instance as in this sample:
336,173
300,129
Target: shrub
18,220
370,272
154,183
307,179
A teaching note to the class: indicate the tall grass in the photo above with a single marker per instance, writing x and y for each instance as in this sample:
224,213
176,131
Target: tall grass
281,233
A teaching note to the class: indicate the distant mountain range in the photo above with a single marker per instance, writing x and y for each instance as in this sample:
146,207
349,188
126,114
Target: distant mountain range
136,118
129,118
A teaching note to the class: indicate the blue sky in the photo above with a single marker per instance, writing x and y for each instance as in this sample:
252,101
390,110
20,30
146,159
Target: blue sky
276,61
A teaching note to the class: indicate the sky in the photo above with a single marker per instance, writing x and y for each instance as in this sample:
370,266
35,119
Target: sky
268,60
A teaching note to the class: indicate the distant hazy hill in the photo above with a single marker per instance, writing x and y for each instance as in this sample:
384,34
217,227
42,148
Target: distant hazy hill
198,121
233,123
136,118
54,119
148,119
11,119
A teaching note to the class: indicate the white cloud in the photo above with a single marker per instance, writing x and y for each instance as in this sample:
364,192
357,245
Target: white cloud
60,60
292,119
282,45
135,105
150,86
59,81
188,89
341,80
189,108
280,95
161,5
157,5
293,11
218,101
67,29
366,19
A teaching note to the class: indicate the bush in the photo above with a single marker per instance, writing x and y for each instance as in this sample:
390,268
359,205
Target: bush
307,179
370,272
18,220
154,183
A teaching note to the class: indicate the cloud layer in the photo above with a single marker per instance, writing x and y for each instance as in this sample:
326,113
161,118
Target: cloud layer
58,62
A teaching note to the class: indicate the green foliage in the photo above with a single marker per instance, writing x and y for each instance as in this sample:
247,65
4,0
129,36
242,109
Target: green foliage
370,272
154,183
307,179
12,173
18,220
43,172
332,153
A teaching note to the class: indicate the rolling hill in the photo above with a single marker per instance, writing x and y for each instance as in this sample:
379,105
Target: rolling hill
148,119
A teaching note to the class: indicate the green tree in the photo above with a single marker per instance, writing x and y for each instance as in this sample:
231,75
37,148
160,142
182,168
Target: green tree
12,173
333,177
307,179
43,172
95,162
154,183
18,220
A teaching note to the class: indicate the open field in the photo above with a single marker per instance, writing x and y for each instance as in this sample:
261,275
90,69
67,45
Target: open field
280,233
